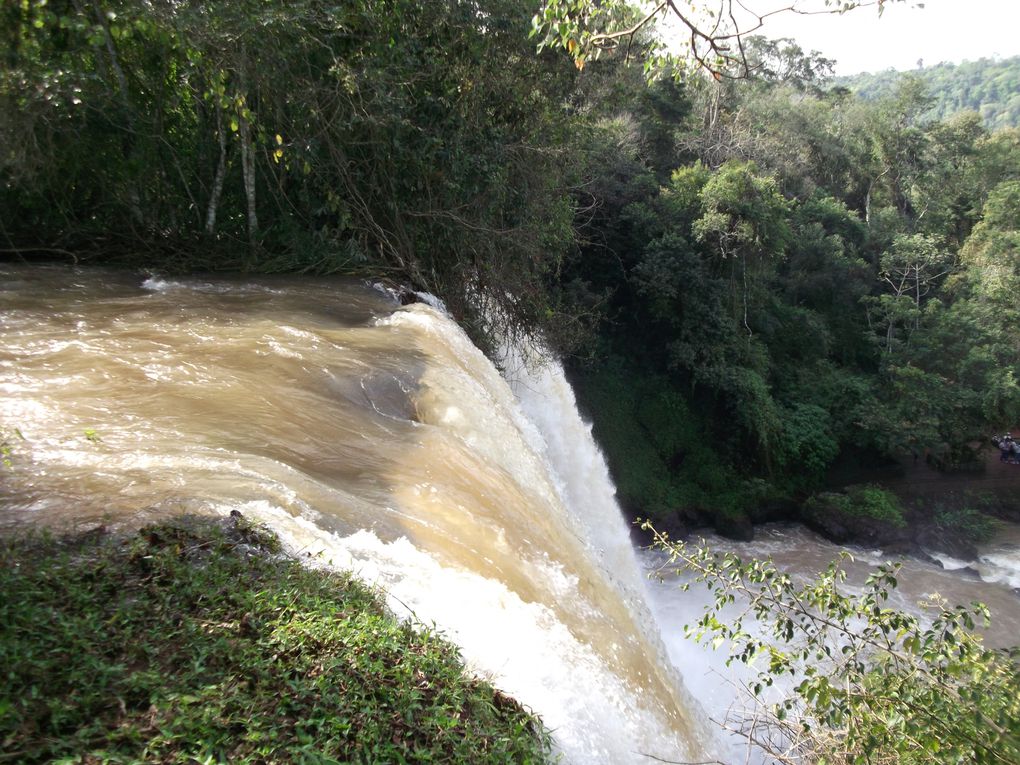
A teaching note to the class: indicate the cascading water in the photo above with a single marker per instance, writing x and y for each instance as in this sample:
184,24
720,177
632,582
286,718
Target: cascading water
998,562
583,481
371,437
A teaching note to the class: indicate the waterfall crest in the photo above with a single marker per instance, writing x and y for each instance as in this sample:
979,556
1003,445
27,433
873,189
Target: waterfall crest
370,436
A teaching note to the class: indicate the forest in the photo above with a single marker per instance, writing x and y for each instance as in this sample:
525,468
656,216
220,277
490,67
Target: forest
831,278
827,276
986,86
753,278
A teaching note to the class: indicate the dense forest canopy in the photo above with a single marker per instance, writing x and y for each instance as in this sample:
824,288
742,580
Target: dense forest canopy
418,139
756,278
990,87
754,275
802,258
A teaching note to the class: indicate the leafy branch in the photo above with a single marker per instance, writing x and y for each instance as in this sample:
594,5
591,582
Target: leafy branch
7,437
711,37
870,683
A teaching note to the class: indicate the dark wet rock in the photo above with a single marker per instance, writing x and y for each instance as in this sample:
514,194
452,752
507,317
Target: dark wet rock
939,540
776,511
680,524
736,526
827,514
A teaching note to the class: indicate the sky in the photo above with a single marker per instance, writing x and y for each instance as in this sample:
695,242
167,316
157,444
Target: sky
944,30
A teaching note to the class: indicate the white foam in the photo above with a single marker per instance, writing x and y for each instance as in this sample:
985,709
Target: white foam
163,284
521,647
1002,567
158,284
950,563
997,564
429,299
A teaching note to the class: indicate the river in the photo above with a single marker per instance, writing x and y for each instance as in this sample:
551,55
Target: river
371,436
376,437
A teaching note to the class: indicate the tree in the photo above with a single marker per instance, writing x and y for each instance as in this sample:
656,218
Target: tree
711,36
744,221
868,683
428,143
992,253
909,271
784,61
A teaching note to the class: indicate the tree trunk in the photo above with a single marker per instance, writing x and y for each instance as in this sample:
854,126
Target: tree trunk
248,168
115,67
867,198
247,153
917,296
221,171
134,197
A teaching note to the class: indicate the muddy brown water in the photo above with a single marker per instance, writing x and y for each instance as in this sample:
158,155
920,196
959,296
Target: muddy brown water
371,436
376,437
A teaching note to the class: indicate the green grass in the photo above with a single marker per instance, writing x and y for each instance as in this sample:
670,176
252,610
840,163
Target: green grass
865,500
198,642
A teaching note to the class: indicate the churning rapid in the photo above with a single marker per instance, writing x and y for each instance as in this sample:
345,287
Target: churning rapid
370,436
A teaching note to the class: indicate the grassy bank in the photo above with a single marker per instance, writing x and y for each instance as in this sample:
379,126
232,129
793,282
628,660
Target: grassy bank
198,642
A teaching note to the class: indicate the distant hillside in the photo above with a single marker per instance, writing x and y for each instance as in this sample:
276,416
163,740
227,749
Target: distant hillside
988,86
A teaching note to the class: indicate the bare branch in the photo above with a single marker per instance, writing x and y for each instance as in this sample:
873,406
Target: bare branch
714,40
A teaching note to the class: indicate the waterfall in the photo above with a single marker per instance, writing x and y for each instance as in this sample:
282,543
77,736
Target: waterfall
574,461
370,436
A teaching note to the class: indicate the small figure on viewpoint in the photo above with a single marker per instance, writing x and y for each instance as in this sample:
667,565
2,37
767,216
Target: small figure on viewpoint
1006,446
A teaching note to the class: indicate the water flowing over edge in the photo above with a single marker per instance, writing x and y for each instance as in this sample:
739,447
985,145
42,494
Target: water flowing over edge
522,644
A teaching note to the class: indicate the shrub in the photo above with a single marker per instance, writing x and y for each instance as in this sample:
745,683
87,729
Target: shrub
966,523
871,502
868,683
